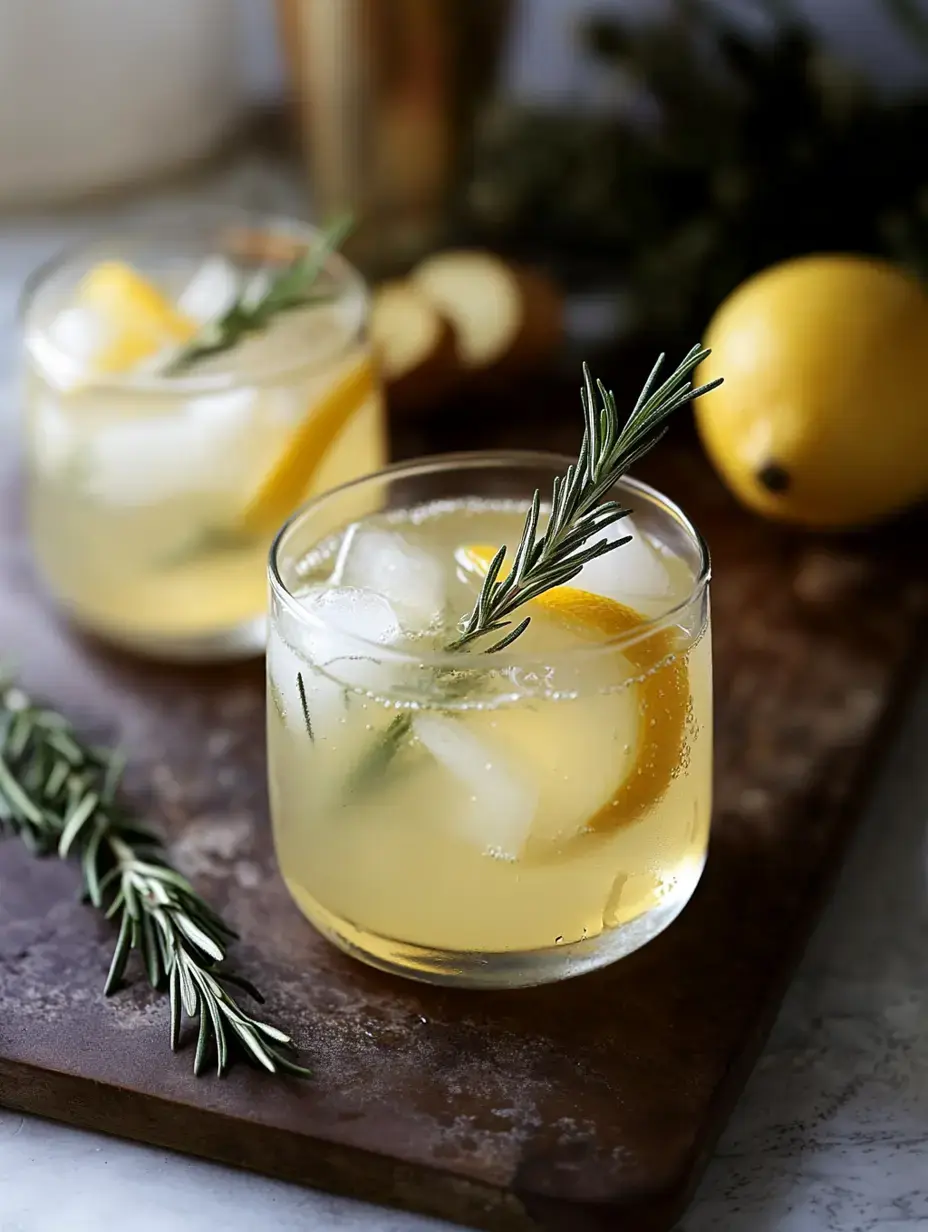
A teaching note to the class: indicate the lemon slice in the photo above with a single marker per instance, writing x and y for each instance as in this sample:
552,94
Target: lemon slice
138,320
286,483
662,691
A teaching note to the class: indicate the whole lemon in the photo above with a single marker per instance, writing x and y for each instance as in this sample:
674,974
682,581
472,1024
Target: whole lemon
823,416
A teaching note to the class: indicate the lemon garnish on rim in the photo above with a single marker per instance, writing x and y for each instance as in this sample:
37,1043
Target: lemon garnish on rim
288,480
137,319
661,687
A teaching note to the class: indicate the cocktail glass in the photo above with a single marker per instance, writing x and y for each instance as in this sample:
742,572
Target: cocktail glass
153,492
543,810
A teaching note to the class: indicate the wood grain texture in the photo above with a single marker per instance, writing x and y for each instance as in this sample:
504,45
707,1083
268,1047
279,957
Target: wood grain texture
585,1106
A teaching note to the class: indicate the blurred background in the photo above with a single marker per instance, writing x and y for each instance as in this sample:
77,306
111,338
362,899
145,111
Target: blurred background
631,161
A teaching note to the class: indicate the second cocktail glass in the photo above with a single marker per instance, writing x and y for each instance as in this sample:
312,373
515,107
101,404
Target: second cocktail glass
154,493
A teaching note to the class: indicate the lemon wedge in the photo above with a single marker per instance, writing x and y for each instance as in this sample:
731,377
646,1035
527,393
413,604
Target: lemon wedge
138,320
661,687
288,480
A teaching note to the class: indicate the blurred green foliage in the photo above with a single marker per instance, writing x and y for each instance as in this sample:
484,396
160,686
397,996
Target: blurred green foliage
740,151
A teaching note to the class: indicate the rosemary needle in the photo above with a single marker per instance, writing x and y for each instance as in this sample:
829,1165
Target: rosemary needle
59,795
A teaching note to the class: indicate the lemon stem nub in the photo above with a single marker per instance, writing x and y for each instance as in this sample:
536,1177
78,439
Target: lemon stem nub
774,477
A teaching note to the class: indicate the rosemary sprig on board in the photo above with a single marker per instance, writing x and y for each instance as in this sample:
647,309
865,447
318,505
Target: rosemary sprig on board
60,796
578,511
293,286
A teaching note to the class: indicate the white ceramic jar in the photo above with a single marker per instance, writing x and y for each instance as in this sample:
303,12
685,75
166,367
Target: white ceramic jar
95,94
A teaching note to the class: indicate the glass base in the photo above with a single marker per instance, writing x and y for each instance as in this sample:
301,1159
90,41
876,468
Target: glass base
512,969
243,641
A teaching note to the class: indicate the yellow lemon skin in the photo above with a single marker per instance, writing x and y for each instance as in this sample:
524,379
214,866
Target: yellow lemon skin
822,419
139,319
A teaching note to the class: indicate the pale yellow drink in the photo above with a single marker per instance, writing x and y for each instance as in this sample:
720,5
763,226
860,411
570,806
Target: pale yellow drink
544,814
153,497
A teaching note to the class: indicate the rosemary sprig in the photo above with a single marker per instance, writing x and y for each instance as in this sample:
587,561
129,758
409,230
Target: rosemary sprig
578,511
293,286
60,795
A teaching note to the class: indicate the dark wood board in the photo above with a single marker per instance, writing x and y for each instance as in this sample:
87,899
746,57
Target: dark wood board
585,1106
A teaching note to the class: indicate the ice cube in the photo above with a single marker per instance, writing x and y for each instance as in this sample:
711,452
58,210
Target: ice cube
386,562
325,702
348,625
331,660
55,438
79,332
499,801
210,292
256,287
212,446
355,612
632,574
71,341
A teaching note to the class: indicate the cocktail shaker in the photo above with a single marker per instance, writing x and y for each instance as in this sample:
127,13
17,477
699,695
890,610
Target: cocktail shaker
386,94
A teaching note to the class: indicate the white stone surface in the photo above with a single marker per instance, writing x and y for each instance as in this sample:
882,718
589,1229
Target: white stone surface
831,1134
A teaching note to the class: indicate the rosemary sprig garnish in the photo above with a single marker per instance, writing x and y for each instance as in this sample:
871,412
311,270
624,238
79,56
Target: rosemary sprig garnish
59,795
578,511
293,286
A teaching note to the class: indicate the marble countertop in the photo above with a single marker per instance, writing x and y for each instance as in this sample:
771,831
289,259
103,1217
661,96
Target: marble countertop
831,1134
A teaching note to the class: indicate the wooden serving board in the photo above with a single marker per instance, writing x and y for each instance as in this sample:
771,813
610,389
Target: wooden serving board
588,1105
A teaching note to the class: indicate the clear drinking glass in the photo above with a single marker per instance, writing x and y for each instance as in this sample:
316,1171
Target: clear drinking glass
154,495
485,819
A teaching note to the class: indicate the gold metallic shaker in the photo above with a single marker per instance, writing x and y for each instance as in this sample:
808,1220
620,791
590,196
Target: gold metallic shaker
386,93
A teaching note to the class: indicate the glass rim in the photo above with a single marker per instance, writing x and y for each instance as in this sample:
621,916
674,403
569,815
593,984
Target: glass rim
351,288
481,658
